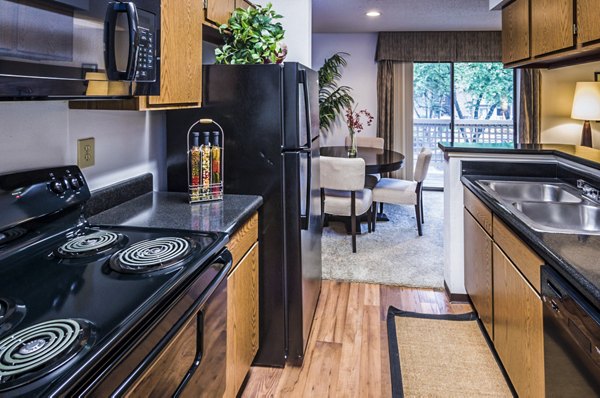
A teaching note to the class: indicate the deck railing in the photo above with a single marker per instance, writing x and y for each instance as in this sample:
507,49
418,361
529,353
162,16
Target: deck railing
428,132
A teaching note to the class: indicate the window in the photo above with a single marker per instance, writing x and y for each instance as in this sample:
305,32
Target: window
460,102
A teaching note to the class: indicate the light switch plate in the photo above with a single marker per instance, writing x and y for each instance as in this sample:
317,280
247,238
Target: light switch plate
86,155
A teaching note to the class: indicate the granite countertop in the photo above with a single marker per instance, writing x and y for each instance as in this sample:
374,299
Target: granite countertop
581,154
172,210
575,257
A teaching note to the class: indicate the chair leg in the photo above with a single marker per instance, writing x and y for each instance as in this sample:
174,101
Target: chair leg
369,219
381,208
374,214
322,207
422,212
353,219
418,212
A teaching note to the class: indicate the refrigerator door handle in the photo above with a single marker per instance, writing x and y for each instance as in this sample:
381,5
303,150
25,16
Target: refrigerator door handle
304,81
305,217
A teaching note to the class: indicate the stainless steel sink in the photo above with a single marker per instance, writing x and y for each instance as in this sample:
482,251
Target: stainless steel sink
528,191
576,218
547,206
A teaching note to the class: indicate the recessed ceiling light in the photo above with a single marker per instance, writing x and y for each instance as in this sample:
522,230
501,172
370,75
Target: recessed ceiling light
373,14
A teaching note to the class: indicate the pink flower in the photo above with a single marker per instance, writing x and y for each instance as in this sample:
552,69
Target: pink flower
353,119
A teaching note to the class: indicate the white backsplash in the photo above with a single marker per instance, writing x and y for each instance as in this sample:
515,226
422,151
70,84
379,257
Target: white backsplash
45,133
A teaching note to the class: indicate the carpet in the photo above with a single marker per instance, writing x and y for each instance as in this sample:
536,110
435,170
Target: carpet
442,356
394,254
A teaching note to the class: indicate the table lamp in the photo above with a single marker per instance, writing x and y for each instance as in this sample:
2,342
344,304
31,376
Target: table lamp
586,106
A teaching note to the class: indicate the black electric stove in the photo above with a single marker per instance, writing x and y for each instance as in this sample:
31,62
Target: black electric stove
76,298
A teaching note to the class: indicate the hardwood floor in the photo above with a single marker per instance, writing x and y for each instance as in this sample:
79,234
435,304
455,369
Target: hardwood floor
347,354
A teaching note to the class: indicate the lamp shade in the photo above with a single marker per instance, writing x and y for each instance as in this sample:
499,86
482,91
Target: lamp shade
586,104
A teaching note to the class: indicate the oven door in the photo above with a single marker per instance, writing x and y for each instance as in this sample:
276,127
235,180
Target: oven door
52,49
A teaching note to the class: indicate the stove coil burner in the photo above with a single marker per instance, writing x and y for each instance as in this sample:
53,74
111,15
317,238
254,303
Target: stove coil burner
11,314
39,349
151,255
87,245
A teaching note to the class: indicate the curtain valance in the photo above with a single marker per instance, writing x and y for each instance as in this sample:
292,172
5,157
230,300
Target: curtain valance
439,46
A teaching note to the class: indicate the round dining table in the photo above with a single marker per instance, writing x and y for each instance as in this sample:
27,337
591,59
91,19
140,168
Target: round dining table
376,160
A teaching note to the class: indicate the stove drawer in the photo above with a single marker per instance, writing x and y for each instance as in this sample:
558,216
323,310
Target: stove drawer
164,376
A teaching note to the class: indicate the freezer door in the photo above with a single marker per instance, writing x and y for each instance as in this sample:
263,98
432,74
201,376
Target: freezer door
303,246
301,98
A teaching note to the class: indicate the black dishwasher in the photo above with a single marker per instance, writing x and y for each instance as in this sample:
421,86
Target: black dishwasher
571,340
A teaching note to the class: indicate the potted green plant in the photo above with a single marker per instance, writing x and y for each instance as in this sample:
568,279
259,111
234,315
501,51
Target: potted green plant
333,99
252,37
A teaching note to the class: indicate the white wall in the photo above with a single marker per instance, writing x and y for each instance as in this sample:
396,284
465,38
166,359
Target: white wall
558,88
360,74
297,22
45,133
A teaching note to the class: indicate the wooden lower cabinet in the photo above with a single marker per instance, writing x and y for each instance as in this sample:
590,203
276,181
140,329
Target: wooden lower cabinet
518,327
478,270
242,306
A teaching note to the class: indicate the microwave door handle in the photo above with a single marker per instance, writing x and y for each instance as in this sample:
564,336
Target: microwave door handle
110,27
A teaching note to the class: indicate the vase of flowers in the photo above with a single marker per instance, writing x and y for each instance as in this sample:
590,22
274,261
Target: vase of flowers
355,126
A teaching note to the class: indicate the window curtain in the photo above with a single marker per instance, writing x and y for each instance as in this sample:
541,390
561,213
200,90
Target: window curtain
528,126
395,111
396,52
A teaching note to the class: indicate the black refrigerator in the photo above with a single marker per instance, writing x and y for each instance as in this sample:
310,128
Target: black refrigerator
270,116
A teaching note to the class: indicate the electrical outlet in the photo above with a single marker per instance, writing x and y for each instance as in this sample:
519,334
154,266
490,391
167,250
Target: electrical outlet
86,155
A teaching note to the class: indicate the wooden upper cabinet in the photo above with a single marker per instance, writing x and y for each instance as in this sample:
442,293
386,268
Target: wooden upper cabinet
588,28
515,31
181,53
219,11
551,26
478,270
242,4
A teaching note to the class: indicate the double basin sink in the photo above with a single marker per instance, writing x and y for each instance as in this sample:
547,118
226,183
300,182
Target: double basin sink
547,206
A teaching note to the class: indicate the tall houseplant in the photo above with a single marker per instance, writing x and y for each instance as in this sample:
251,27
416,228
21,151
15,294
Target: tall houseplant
333,99
252,37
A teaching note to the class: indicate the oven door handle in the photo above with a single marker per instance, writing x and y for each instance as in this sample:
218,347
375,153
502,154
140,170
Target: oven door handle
113,10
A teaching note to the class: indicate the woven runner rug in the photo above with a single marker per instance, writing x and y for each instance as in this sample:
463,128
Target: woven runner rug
442,356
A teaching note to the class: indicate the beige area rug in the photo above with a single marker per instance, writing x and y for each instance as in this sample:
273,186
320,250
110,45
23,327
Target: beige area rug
442,356
394,254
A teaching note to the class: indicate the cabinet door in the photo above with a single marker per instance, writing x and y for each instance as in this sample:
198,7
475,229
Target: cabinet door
242,4
551,25
478,270
588,14
515,31
181,53
242,323
219,11
518,333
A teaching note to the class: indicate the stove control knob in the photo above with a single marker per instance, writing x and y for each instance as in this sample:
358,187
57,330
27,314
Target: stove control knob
74,183
57,187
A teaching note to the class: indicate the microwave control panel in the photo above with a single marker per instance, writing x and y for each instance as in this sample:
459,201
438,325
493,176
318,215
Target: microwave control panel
146,56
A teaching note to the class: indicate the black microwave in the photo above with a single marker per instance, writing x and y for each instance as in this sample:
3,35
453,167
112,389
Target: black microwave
73,49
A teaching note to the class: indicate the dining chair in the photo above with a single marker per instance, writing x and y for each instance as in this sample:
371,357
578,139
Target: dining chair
404,192
343,191
369,142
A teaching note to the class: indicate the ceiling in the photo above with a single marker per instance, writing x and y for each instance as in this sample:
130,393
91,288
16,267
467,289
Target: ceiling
348,16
